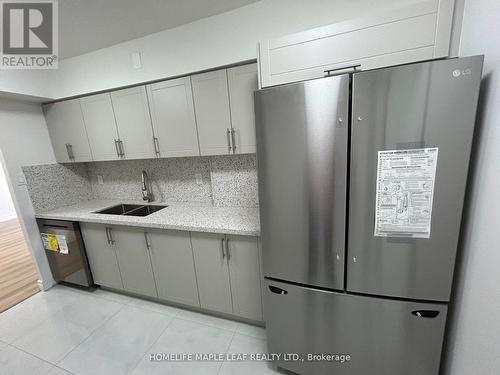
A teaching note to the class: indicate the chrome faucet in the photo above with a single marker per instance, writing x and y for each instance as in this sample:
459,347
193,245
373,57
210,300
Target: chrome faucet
147,195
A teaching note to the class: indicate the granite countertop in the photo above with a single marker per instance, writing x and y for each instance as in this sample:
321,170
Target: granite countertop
177,216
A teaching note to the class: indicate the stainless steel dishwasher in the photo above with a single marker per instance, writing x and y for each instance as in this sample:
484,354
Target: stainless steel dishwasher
65,251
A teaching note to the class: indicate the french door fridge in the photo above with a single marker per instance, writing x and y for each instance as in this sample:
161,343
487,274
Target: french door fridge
362,179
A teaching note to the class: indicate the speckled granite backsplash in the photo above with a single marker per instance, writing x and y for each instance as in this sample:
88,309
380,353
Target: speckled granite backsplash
55,185
226,181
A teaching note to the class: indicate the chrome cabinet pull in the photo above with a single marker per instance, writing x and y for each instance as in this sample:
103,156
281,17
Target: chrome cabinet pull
157,146
120,146
117,148
148,244
228,138
228,253
233,140
107,235
111,240
69,150
347,68
222,248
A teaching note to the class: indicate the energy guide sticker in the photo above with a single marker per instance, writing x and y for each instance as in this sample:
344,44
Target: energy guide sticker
405,190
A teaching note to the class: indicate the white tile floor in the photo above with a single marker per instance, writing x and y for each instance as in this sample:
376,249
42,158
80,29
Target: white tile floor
69,331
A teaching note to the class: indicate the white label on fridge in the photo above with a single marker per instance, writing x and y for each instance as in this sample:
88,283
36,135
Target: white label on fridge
405,189
63,245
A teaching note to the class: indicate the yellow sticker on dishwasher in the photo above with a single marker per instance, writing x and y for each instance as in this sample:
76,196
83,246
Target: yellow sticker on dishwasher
53,244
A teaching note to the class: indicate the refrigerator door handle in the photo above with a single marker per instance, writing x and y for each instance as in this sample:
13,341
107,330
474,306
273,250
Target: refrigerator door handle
277,290
426,313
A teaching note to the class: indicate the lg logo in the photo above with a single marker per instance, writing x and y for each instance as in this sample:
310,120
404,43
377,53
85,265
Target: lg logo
465,72
29,34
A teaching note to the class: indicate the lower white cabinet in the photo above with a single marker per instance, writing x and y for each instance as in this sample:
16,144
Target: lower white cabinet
228,272
245,276
212,272
173,266
101,255
216,272
119,258
132,252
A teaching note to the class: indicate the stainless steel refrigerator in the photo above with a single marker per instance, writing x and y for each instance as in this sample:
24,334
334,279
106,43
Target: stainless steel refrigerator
362,179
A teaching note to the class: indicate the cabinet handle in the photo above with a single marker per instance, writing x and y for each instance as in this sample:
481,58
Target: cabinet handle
228,253
222,248
107,235
111,240
228,138
347,68
233,140
117,148
69,150
157,146
120,146
148,244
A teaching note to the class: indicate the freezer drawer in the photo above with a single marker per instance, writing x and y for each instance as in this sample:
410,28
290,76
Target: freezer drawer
381,336
416,106
302,168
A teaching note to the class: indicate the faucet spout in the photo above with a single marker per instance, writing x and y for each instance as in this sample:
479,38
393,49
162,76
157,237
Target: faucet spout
147,195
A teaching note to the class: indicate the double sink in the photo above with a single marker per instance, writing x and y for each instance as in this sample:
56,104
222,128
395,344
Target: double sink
131,209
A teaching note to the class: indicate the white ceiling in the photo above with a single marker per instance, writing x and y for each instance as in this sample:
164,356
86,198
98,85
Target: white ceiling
88,25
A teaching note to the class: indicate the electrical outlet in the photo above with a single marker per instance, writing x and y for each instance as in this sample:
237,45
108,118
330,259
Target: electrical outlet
199,179
21,180
100,180
136,60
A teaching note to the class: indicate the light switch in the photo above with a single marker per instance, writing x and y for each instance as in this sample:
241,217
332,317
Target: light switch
199,179
100,181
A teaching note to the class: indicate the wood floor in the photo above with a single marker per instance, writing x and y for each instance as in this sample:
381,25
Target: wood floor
18,275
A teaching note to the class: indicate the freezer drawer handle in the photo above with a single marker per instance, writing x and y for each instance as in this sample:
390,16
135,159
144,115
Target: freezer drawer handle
425,313
277,290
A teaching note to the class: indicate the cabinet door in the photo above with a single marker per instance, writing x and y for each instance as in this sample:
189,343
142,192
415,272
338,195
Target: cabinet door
67,131
245,276
242,83
134,261
133,122
101,255
101,126
173,266
212,272
172,112
211,102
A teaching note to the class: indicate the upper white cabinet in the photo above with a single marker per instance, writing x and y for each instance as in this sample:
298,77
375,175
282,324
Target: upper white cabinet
205,114
101,126
67,131
211,100
174,123
134,123
242,83
409,33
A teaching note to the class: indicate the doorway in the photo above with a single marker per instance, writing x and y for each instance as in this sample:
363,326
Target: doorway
18,274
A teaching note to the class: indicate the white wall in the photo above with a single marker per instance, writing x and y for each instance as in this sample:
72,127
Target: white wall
24,140
474,346
7,210
219,40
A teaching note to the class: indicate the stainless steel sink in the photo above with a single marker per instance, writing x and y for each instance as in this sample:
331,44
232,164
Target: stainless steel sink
131,209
